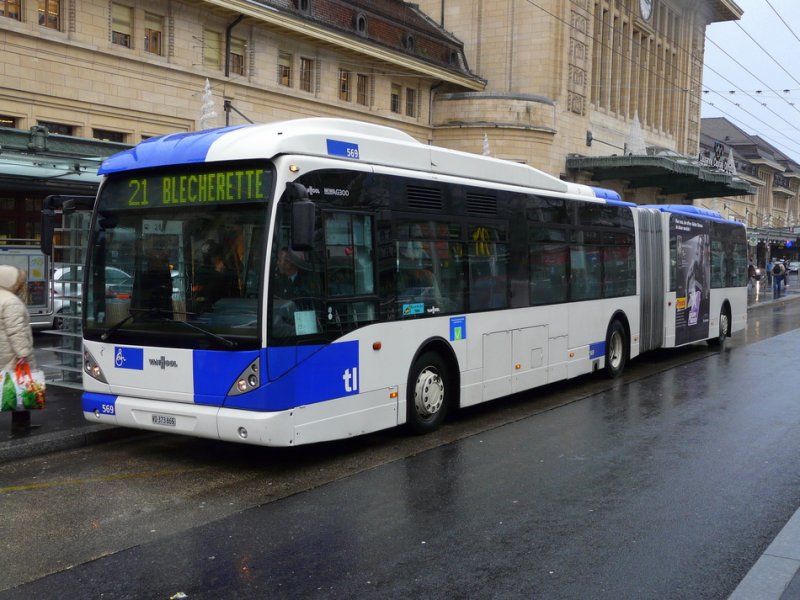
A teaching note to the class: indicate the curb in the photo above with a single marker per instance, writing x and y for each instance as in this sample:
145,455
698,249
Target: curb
45,443
775,571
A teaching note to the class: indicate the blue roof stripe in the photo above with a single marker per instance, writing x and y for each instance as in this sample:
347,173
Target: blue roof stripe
610,196
605,193
620,203
172,149
689,210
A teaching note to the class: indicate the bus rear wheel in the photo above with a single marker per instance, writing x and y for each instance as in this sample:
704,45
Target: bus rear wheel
426,404
616,350
724,328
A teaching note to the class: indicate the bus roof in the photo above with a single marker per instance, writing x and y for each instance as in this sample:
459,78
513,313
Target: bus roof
692,211
339,139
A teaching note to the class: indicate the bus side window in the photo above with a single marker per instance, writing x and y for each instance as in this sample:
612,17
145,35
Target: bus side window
586,272
549,271
719,271
488,268
417,284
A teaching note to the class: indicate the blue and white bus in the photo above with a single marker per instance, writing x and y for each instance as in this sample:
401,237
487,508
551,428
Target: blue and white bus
317,279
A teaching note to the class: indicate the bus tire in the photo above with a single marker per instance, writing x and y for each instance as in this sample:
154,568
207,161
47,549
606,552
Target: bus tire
616,350
428,393
724,330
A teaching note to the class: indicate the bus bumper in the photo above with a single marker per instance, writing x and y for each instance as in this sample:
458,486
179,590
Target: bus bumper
213,422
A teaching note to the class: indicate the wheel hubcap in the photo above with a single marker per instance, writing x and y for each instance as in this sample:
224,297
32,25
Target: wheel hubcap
428,393
615,350
723,325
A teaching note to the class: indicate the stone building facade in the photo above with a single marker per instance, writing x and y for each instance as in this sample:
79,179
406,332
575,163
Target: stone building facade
772,212
121,71
558,84
567,81
126,70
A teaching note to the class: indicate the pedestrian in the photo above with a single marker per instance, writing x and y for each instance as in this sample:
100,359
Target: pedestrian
16,336
778,272
770,264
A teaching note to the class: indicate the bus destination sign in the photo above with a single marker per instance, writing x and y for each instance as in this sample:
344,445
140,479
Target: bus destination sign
172,190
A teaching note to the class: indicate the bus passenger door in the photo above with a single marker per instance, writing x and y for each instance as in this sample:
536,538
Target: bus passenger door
514,361
351,294
496,364
529,347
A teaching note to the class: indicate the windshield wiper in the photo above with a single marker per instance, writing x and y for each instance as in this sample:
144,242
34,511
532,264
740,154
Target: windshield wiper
205,332
133,313
113,329
157,311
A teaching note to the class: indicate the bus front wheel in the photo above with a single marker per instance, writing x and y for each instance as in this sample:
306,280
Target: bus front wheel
616,350
426,405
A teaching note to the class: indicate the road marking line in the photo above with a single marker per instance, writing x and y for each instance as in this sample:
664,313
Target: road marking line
54,484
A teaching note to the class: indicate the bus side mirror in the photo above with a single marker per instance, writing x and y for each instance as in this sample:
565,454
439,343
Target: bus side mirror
48,231
303,217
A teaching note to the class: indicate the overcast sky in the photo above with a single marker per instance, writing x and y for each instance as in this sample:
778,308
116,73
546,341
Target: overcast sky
752,72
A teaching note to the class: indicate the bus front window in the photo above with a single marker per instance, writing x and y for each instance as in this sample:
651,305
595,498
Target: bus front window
193,272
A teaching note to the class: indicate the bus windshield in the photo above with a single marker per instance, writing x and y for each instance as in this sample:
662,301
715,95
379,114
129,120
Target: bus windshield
191,247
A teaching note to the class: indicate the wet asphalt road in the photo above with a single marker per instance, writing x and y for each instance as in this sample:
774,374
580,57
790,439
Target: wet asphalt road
666,484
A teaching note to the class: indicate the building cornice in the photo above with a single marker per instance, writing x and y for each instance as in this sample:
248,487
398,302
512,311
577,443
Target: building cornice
766,163
724,10
328,36
756,181
493,95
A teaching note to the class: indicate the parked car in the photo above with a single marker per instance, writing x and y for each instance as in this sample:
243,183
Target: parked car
794,266
68,285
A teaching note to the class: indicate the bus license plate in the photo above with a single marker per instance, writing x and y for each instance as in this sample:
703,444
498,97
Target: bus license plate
164,420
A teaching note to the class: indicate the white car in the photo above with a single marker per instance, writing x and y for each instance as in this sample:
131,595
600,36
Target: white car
68,285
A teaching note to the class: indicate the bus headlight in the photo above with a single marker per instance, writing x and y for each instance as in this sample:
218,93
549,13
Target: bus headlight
91,368
247,381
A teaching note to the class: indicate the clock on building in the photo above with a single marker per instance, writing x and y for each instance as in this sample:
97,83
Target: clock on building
646,8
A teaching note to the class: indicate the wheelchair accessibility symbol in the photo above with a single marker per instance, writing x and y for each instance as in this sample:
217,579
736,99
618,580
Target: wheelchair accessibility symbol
128,358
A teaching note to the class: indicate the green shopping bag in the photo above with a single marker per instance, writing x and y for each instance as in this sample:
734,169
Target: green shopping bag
30,385
9,399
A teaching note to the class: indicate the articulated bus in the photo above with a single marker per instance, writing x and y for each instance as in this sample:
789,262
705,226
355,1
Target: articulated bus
316,279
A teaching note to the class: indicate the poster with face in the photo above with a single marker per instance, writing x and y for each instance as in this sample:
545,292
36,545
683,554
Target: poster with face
692,245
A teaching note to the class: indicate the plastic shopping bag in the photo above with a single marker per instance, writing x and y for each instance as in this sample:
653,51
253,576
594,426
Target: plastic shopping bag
8,401
30,386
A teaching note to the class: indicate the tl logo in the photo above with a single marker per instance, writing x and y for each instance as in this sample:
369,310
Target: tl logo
350,378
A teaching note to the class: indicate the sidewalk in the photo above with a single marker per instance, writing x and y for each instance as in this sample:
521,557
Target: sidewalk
761,292
776,575
60,426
